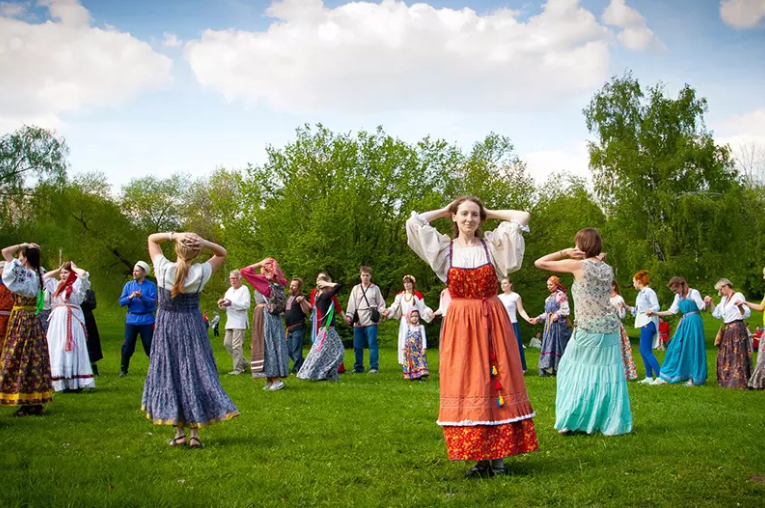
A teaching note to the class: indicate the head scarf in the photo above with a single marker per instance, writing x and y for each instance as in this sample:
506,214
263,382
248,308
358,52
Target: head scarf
558,286
409,312
66,286
273,268
144,266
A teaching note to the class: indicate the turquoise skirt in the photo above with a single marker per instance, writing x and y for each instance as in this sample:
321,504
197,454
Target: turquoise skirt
592,390
686,357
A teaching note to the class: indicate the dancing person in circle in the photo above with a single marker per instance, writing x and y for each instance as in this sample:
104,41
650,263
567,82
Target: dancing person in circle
415,345
484,408
140,297
95,353
592,389
296,310
648,324
686,358
514,305
272,350
366,307
326,354
406,300
236,302
6,305
734,355
182,386
25,379
617,302
557,332
67,342
757,380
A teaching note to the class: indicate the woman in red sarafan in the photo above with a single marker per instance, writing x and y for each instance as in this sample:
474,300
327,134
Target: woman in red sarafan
484,407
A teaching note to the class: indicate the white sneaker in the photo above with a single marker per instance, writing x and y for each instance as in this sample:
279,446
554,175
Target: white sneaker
234,373
658,381
268,386
646,381
277,386
373,371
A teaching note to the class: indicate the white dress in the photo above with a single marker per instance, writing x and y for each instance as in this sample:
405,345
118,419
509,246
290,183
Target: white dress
67,342
401,306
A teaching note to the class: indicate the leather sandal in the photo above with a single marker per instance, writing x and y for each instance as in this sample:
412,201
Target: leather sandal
198,443
480,471
177,441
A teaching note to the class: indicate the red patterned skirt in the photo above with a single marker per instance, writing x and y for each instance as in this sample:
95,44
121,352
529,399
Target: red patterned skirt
25,378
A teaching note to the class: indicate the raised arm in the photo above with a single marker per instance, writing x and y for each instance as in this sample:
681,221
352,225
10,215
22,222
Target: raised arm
9,251
436,214
521,218
563,261
53,274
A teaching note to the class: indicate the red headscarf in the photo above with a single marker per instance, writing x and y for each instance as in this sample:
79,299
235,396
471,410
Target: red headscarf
558,286
66,285
272,271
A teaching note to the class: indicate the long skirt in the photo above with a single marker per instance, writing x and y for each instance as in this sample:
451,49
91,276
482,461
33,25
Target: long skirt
686,357
68,348
630,371
324,358
734,359
25,364
258,344
554,341
757,381
415,360
276,359
44,318
94,338
517,330
480,421
182,386
592,389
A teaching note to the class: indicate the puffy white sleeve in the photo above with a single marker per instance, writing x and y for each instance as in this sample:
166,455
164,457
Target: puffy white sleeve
430,245
740,297
675,307
696,297
621,310
507,246
565,309
20,280
50,284
424,339
160,271
425,311
79,288
718,312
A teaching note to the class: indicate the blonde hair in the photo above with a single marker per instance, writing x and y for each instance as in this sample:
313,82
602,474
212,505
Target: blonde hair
723,282
185,255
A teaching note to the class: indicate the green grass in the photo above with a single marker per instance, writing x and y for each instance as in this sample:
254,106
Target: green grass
372,441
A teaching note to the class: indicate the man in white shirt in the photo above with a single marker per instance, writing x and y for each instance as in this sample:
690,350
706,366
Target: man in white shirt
236,302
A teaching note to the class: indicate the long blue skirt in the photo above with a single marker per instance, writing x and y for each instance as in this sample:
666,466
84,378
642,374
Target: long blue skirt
592,390
517,330
686,356
182,386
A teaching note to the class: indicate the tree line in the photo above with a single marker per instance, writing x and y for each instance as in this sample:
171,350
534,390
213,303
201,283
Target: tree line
666,197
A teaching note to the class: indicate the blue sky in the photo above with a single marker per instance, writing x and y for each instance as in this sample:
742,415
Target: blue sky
144,87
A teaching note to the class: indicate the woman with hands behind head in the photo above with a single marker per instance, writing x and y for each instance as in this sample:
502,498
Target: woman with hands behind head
182,386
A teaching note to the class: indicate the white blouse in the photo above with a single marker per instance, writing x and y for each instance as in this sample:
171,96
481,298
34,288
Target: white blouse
20,280
510,306
506,247
80,286
729,312
199,274
618,303
692,295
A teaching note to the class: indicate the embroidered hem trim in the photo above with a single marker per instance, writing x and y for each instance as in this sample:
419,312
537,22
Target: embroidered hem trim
22,399
191,425
471,423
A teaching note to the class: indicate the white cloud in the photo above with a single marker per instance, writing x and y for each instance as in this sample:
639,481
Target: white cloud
11,10
372,57
67,65
739,130
171,41
635,34
743,14
573,158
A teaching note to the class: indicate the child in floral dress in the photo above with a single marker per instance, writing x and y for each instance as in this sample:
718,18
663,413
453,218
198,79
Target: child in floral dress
415,361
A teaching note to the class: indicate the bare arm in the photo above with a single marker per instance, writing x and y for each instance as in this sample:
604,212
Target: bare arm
52,274
557,262
219,253
521,218
521,310
754,306
9,251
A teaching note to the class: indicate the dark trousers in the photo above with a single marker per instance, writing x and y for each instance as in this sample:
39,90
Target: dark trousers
215,331
295,346
131,336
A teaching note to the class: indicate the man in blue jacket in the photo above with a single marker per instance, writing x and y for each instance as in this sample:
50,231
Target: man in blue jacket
140,297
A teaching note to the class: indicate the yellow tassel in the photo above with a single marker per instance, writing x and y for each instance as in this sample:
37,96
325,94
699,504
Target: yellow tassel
500,401
493,370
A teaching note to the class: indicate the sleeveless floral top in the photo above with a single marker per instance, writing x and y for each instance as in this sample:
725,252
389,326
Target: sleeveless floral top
592,299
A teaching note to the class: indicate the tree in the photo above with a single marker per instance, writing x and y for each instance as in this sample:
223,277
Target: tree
671,195
156,204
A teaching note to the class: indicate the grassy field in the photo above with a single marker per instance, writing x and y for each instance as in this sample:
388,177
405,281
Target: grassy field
372,441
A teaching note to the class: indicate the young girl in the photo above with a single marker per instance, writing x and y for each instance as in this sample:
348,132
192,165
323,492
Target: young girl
663,334
415,344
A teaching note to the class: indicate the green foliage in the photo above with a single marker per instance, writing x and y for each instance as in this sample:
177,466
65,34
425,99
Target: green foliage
672,196
156,204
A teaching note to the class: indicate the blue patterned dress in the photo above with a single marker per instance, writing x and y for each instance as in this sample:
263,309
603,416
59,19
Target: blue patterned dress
182,386
556,336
